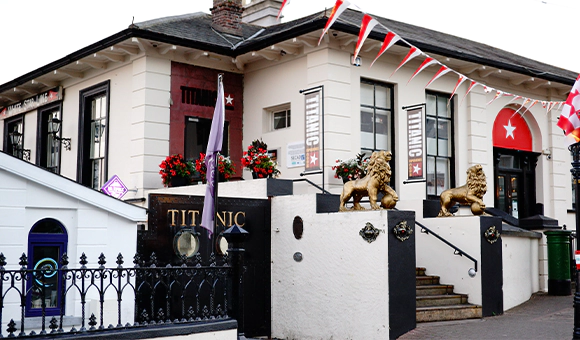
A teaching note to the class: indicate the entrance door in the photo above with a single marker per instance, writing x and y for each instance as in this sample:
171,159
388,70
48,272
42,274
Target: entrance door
515,178
507,196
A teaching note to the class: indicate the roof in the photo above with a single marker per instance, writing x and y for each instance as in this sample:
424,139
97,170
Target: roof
65,186
195,31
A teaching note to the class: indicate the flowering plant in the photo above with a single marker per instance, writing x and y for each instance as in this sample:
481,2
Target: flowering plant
353,168
175,166
256,159
226,167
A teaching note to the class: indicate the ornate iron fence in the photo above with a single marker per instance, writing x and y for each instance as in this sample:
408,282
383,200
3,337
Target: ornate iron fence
145,294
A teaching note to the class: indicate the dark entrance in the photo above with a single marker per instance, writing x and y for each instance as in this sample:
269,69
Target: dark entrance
515,179
174,215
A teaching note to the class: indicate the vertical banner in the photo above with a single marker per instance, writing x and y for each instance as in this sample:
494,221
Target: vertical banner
313,131
415,145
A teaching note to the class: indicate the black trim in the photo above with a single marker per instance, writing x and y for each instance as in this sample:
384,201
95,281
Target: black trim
42,134
491,268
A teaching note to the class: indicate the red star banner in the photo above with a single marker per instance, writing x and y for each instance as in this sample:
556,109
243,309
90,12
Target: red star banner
367,25
510,131
569,120
339,7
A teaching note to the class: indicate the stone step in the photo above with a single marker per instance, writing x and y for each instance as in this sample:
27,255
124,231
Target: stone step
439,289
420,271
441,300
447,313
427,280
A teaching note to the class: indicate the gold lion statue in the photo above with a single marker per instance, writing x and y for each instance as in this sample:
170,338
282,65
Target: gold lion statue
469,194
376,180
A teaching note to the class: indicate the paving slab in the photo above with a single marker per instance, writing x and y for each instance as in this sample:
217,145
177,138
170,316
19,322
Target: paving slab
543,317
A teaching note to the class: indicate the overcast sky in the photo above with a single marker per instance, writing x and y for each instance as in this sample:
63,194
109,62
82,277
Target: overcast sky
35,33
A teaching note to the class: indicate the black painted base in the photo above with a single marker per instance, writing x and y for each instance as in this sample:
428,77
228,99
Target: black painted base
559,287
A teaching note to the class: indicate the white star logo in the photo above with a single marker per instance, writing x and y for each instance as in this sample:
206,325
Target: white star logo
229,100
313,159
509,130
416,168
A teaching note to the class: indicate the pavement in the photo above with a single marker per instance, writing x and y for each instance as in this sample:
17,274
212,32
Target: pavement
543,317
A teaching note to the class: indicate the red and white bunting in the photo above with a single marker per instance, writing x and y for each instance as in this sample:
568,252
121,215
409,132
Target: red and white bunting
284,3
390,39
367,25
413,52
339,7
426,63
516,97
471,86
498,94
460,81
443,70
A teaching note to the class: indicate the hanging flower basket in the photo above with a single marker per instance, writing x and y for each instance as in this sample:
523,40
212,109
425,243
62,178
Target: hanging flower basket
351,169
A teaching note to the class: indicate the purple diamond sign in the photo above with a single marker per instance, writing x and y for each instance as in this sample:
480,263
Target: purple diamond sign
115,187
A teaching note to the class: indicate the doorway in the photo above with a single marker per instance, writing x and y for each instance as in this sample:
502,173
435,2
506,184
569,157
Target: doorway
515,177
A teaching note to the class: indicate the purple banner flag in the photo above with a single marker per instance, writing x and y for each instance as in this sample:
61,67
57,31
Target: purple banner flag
214,145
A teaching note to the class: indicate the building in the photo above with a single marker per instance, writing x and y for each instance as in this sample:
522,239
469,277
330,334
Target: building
124,103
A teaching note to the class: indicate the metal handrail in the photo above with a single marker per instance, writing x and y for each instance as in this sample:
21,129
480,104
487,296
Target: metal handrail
311,183
457,251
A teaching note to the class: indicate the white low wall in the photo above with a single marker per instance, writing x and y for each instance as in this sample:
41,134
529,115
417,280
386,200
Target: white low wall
340,288
520,269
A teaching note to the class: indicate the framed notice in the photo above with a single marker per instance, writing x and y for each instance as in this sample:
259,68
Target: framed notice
295,155
415,143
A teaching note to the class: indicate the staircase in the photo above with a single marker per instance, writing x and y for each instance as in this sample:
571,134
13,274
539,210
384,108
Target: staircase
437,302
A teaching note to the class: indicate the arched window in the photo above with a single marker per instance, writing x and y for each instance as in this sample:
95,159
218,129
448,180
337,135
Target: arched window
47,242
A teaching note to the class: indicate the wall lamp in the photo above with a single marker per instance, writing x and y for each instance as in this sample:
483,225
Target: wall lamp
15,139
53,128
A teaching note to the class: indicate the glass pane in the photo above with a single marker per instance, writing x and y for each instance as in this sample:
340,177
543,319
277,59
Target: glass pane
45,278
366,120
508,161
442,175
430,176
431,136
102,138
279,120
501,193
367,141
382,97
95,133
431,105
288,118
382,122
443,131
47,227
97,174
366,94
442,109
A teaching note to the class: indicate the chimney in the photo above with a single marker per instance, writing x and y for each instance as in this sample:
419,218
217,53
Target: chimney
227,16
261,12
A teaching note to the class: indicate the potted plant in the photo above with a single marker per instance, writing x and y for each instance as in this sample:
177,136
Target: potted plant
226,168
256,160
351,169
176,171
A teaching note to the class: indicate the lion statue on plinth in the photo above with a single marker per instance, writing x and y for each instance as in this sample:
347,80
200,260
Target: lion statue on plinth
376,180
469,194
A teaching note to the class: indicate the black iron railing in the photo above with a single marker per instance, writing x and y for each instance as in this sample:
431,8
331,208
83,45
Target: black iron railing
144,295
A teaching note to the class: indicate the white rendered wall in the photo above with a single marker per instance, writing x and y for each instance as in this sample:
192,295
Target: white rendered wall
520,269
340,288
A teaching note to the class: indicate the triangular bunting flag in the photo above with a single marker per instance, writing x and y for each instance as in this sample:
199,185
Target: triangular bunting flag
443,70
367,25
460,81
498,94
426,63
284,3
471,86
413,52
390,39
339,7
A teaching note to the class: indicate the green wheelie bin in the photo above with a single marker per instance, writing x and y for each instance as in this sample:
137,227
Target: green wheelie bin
559,254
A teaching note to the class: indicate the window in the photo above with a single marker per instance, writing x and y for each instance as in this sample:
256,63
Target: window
14,137
47,242
48,155
439,131
93,134
281,119
376,119
197,135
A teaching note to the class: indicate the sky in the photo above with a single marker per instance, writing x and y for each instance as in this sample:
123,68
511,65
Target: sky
36,33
